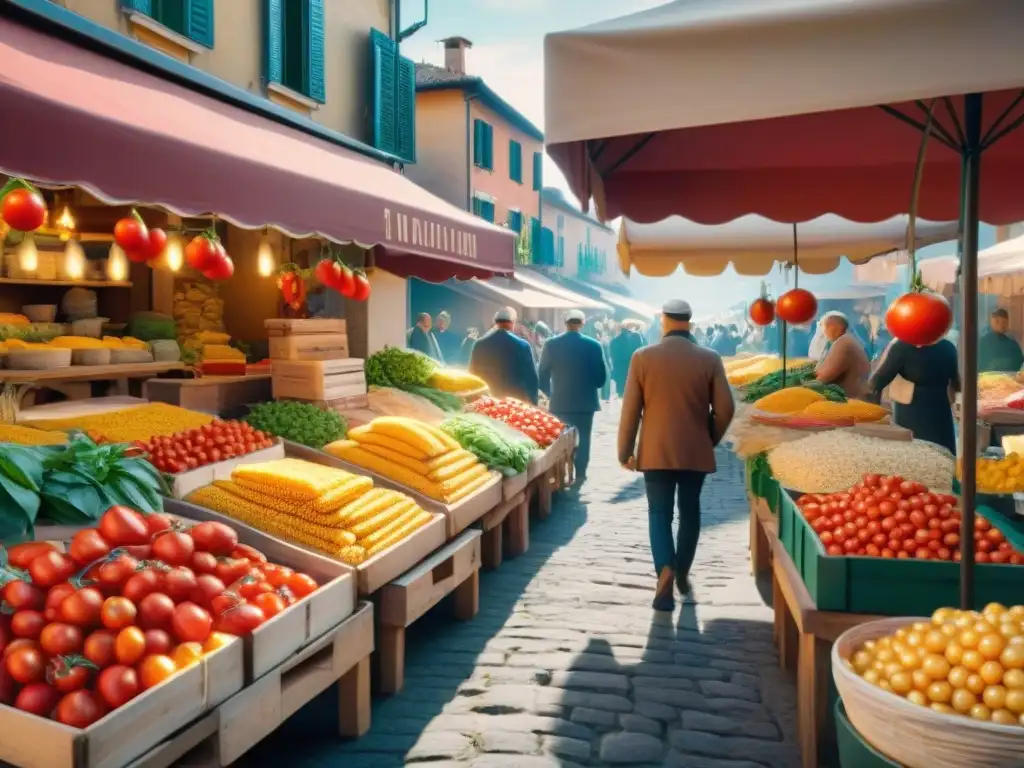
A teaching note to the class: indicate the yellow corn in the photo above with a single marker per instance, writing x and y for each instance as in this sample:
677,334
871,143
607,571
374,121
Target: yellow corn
455,468
858,410
363,436
302,510
335,499
399,535
369,504
448,380
788,400
222,352
212,337
457,482
350,451
11,433
141,423
369,525
413,465
446,459
449,442
408,431
473,485
291,478
354,555
377,536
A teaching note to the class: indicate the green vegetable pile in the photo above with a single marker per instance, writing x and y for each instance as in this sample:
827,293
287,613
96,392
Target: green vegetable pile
72,484
394,367
801,376
299,422
496,444
446,401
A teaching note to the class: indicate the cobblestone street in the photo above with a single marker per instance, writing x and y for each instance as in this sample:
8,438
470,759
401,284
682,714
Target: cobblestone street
567,665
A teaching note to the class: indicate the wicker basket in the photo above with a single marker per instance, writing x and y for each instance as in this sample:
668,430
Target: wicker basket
913,735
46,267
91,356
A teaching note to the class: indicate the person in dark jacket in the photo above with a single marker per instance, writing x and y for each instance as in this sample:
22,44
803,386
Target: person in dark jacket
572,371
505,361
997,350
621,351
447,340
422,339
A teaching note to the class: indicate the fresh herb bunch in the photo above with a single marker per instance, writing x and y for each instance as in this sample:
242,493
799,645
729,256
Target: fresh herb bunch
299,422
394,367
801,376
72,484
496,444
446,401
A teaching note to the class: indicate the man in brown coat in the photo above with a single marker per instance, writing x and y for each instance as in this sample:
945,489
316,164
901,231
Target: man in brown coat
679,392
845,363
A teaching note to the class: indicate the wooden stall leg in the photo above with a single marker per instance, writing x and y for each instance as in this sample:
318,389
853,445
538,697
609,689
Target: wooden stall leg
760,549
354,701
544,495
785,628
467,597
518,522
491,544
392,659
812,697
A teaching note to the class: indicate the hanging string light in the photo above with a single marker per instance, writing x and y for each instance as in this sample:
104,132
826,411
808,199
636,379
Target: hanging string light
74,260
265,261
117,264
28,254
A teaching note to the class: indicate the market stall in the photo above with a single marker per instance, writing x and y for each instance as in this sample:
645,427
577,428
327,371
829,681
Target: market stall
889,140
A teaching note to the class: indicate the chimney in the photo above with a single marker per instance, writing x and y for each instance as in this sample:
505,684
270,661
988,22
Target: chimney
455,54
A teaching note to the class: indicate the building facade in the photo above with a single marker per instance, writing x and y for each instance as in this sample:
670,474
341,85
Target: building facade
475,150
583,248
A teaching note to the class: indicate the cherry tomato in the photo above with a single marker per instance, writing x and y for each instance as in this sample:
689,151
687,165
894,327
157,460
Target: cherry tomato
115,573
118,613
38,698
68,674
230,570
251,586
173,548
157,522
240,620
21,595
270,603
122,526
25,664
22,555
207,588
301,584
155,611
204,562
83,607
278,575
179,583
191,623
187,654
142,583
132,235
50,569
155,669
216,641
79,709
157,641
88,546
130,645
27,624
217,538
117,685
245,552
59,639
99,648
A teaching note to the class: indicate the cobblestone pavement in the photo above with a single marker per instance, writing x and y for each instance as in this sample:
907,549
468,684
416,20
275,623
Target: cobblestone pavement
567,665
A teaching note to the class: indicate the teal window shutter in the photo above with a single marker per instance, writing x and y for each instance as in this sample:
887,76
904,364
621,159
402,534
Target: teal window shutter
477,209
488,146
315,86
273,41
199,21
515,221
560,253
536,242
515,161
139,6
406,109
487,210
385,117
478,142
538,174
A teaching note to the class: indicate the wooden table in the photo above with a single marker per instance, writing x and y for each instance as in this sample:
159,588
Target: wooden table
804,636
74,379
764,527
210,394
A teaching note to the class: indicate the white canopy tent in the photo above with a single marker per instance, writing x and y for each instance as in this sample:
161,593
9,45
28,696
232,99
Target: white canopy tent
753,244
1000,269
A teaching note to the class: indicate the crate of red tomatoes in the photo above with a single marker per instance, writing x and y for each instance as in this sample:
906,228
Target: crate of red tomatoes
114,637
891,546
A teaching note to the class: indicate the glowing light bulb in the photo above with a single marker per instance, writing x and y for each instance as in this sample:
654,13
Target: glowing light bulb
74,260
117,264
174,253
28,254
265,259
65,223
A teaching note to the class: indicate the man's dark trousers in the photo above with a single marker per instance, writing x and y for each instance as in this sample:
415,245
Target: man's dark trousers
584,423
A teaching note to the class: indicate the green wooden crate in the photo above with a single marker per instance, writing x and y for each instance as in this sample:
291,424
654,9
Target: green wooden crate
854,751
881,586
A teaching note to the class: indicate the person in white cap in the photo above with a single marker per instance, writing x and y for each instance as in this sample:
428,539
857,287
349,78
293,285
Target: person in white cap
678,399
504,360
572,372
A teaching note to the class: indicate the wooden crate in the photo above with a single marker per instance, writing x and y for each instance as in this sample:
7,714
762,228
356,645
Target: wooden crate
455,569
514,485
127,732
183,483
317,379
313,346
459,516
306,621
341,657
210,394
279,326
506,531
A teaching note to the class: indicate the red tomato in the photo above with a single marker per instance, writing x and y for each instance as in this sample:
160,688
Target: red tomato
344,280
99,648
28,624
213,537
68,674
130,645
240,620
245,552
60,639
206,589
157,641
131,234
38,698
123,526
225,602
277,575
204,562
83,607
79,709
118,613
230,570
54,598
25,664
21,555
23,210
173,548
20,595
919,318
220,268
50,569
155,611
250,587
270,603
179,583
325,274
117,685
360,287
156,243
142,583
8,686
88,546
302,584
191,623
157,522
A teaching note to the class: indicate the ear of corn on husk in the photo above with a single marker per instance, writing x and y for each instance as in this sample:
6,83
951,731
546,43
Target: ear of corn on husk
291,478
449,380
131,424
788,400
364,437
858,410
409,432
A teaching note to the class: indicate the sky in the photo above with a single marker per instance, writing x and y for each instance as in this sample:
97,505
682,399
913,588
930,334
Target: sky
508,52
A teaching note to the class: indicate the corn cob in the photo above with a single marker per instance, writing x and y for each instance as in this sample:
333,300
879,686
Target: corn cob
453,484
130,424
450,443
413,465
354,555
408,431
448,380
335,499
301,510
398,535
454,469
350,451
857,410
368,525
448,458
470,487
11,433
292,478
364,437
377,536
788,400
369,505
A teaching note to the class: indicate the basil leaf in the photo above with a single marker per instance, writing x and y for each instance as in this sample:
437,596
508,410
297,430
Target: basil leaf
22,466
25,500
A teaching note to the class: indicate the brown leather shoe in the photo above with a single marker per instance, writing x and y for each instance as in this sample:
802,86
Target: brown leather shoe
664,600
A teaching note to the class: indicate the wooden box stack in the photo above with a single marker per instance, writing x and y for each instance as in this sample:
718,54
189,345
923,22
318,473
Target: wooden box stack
309,361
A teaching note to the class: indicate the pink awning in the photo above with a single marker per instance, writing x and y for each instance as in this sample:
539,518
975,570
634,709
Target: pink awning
72,116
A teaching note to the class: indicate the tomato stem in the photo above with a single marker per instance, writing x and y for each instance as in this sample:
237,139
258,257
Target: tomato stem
16,183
